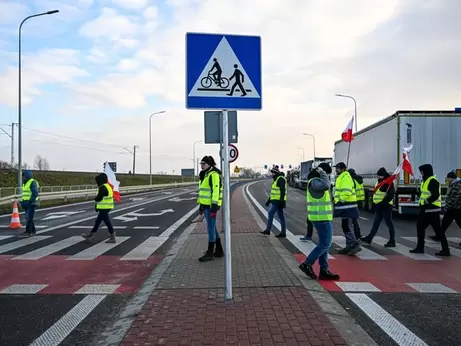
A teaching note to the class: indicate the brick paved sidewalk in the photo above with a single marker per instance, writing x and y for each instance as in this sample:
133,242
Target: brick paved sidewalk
270,305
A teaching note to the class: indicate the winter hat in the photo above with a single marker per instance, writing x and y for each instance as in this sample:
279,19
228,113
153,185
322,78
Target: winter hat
451,175
209,160
326,167
381,172
341,165
275,170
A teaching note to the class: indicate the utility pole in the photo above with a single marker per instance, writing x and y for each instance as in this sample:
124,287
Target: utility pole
134,157
11,135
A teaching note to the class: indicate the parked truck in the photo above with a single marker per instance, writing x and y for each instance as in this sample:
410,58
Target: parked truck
306,167
435,137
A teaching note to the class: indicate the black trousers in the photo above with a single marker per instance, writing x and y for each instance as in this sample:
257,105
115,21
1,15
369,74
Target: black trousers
425,220
310,228
103,215
450,216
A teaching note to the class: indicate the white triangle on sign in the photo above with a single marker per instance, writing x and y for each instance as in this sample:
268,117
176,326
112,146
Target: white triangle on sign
205,85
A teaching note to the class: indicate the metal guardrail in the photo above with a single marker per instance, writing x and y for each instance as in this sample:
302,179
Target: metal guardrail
66,194
12,191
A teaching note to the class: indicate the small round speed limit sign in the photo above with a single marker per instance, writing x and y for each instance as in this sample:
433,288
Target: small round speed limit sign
233,153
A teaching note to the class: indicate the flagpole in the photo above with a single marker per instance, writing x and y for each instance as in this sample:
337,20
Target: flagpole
348,154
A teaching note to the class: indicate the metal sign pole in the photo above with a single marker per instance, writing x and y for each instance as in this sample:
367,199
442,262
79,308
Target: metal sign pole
226,204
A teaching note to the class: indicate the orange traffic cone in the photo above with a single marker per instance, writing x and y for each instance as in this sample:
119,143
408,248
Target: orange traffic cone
15,221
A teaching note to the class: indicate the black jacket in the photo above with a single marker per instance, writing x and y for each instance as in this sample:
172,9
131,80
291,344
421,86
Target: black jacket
101,179
281,184
390,193
433,186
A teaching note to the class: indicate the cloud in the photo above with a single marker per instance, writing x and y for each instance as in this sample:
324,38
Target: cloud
128,64
12,12
110,25
131,4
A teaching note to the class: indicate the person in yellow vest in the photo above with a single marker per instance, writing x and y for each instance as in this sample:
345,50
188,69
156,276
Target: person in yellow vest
29,201
430,204
104,204
360,193
210,197
382,204
277,201
346,208
320,213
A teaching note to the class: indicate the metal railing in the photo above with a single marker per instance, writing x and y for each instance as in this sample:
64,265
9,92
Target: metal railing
88,191
11,191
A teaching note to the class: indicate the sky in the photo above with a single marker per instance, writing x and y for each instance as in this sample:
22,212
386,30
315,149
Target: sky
94,72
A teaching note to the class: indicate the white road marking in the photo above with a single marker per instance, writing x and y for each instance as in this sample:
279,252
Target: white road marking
404,250
454,239
357,286
48,250
23,289
64,326
146,227
36,226
97,289
90,227
96,250
434,245
390,325
61,214
2,237
304,247
365,254
363,218
144,250
169,231
23,242
430,288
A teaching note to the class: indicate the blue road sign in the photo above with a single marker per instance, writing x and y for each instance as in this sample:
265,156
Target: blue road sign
223,72
265,166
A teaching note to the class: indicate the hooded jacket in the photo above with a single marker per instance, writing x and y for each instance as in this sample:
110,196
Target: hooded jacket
281,183
33,188
433,187
453,198
317,187
388,188
202,174
101,179
355,176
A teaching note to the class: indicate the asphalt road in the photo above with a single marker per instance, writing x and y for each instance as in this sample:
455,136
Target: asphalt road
57,289
398,298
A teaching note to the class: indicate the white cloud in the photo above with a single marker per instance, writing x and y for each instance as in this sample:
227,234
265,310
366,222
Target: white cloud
12,12
388,54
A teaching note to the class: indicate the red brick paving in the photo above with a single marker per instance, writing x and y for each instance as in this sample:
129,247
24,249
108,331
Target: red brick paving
257,316
260,316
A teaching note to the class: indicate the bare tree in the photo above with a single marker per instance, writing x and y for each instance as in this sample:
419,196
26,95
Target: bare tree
249,173
41,163
7,165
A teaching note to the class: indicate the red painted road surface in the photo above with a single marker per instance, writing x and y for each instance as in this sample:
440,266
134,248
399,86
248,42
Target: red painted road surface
66,277
394,274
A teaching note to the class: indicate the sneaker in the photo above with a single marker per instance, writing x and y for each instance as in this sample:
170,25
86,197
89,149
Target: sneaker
308,270
390,243
366,240
306,238
417,250
87,236
281,235
355,249
112,239
443,253
328,275
266,232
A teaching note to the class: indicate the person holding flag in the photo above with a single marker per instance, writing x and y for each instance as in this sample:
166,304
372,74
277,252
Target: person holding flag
382,202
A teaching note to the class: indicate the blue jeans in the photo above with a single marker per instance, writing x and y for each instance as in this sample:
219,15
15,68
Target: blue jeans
270,217
380,214
29,213
211,226
320,252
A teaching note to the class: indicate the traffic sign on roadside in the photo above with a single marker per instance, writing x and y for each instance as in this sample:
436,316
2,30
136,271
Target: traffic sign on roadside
233,153
236,170
223,72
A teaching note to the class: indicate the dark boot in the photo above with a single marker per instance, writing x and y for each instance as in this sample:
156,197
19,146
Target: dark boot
208,256
218,252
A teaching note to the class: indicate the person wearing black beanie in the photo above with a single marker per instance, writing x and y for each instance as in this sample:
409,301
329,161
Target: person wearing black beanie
210,200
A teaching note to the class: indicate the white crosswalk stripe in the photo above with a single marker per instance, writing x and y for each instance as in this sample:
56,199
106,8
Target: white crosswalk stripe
435,245
405,250
144,250
365,254
22,242
96,250
50,249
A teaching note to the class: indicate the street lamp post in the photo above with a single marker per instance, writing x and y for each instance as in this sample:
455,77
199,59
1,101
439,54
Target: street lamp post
195,165
302,149
20,94
313,140
355,107
150,145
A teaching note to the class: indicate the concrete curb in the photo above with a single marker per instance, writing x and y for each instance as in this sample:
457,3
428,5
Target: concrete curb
346,325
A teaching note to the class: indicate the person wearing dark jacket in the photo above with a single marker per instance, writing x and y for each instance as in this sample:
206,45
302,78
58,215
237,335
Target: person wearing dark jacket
430,204
360,193
277,201
29,199
104,204
382,202
210,200
452,203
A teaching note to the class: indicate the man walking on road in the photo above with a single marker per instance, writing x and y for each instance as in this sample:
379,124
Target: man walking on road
430,204
346,208
382,201
277,201
210,200
452,204
360,193
104,204
29,200
320,213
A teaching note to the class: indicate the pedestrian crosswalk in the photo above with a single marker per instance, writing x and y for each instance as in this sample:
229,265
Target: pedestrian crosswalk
75,248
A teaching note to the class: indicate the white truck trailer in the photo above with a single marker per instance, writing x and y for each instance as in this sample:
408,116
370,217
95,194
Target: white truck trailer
436,139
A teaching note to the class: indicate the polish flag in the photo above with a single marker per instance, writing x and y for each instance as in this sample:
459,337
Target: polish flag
347,135
112,181
404,165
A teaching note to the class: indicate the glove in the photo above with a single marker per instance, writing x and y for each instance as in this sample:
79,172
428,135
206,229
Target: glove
213,215
200,210
282,205
214,208
268,203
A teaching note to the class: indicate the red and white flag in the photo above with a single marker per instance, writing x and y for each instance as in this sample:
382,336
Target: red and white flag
347,134
404,165
112,181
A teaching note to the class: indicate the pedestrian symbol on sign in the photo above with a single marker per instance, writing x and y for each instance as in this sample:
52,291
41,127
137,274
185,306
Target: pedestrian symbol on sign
236,170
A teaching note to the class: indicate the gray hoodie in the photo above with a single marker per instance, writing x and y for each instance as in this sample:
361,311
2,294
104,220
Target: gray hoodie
318,186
